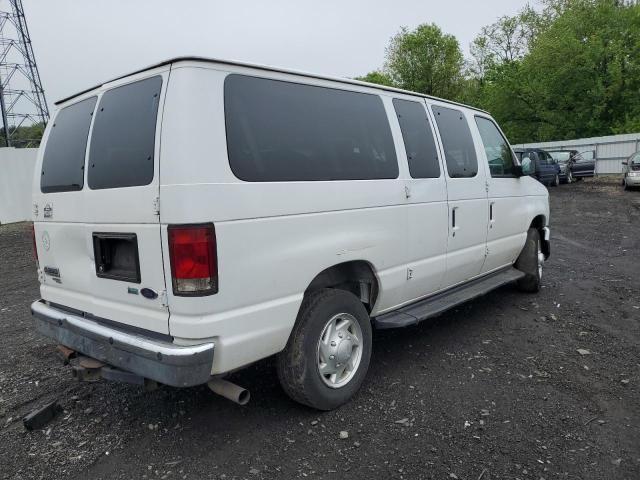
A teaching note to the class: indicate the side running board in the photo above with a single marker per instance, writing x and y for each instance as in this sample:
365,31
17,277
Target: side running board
441,302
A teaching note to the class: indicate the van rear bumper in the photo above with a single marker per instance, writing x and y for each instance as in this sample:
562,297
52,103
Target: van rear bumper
164,362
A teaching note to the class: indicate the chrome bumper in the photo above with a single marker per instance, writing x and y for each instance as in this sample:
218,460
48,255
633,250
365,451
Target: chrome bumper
164,362
633,181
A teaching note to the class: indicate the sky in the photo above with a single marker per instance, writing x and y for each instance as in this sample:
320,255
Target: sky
80,43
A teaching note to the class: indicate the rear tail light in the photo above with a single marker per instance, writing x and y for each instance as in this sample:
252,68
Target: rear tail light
194,262
33,242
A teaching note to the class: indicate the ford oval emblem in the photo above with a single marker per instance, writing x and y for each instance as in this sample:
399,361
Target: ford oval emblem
148,293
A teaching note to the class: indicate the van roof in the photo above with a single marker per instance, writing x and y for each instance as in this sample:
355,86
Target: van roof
271,69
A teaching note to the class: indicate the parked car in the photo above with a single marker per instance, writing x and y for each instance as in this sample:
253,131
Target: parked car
286,214
545,169
631,170
584,165
574,165
564,159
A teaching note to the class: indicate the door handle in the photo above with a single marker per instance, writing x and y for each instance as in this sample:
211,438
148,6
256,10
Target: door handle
491,215
454,227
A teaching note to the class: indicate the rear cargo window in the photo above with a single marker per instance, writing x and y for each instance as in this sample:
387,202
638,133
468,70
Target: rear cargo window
123,137
282,131
459,150
63,162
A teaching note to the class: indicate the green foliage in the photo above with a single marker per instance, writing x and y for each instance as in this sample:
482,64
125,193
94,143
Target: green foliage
580,77
425,60
378,77
569,70
24,137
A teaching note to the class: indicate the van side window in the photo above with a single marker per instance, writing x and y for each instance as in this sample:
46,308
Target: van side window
499,154
459,150
422,154
281,131
63,161
124,136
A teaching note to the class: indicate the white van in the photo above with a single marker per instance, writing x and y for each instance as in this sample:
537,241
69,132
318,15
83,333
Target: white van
199,215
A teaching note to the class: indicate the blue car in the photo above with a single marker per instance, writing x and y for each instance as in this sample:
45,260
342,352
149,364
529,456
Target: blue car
543,167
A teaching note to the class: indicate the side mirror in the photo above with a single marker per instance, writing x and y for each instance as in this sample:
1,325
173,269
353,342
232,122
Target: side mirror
625,163
517,171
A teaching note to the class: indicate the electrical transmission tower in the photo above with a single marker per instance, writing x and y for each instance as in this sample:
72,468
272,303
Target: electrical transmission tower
22,102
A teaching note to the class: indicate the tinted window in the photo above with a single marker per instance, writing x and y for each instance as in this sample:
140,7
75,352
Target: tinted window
123,137
422,154
459,151
496,147
281,131
63,162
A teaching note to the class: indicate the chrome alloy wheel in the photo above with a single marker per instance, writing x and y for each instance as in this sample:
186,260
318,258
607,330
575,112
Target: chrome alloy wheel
339,350
540,260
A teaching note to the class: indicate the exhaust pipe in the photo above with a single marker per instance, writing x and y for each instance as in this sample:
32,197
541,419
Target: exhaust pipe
229,390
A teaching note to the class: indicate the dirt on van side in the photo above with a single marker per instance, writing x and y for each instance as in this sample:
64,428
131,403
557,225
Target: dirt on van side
507,386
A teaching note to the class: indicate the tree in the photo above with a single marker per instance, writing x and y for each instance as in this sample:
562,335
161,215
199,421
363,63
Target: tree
506,39
482,58
378,77
24,136
426,60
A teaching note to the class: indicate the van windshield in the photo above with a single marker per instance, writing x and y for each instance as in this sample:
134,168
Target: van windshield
63,162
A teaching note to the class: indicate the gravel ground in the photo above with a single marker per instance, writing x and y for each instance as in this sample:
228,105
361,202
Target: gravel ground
494,389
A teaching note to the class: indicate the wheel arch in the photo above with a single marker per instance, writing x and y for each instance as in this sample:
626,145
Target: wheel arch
355,276
539,222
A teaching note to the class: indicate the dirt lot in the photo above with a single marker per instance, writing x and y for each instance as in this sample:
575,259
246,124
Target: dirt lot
494,389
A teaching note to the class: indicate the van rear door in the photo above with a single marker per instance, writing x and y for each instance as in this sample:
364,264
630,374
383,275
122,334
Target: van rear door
96,204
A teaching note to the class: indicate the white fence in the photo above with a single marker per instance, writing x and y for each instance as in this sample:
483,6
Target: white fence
16,178
609,151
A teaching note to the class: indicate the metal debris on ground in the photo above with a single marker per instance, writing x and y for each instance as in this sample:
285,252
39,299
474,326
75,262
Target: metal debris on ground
40,417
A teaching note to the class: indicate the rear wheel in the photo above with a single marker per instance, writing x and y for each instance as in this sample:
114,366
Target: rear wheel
328,353
531,262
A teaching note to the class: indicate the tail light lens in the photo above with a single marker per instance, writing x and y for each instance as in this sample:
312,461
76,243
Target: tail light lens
33,242
194,262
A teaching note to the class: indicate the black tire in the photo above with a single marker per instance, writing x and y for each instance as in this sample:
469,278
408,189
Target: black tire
556,180
297,363
528,263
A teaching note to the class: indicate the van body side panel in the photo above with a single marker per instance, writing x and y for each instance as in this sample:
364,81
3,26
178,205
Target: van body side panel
273,238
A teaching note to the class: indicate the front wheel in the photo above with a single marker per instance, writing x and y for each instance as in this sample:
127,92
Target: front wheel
556,180
328,353
531,261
